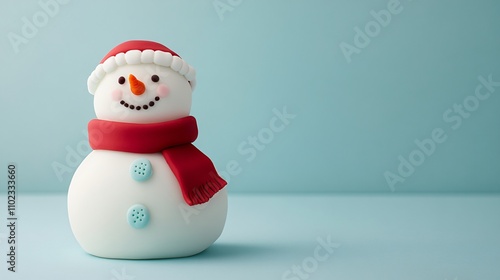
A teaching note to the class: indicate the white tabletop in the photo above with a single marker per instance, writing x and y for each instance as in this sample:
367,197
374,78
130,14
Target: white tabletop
283,237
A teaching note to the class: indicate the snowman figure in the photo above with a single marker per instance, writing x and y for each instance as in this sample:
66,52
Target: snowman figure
145,191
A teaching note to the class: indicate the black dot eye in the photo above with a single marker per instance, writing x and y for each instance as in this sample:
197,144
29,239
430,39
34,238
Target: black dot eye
121,80
155,78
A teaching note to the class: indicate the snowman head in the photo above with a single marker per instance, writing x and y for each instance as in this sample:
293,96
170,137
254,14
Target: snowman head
142,82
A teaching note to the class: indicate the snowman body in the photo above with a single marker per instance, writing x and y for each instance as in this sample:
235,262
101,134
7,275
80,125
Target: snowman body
130,205
103,191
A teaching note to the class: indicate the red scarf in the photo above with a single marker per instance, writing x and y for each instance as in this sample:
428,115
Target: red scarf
194,170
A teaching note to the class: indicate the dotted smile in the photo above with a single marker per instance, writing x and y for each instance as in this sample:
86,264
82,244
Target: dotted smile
138,108
138,88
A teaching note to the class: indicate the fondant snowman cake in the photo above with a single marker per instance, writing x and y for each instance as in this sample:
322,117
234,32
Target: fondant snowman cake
129,197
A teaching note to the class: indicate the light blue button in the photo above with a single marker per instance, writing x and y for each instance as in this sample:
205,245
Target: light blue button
141,169
138,216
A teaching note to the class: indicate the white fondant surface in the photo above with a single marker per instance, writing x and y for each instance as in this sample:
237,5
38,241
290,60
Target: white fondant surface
176,104
102,191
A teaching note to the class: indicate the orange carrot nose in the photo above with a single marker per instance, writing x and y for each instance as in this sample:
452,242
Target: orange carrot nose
137,87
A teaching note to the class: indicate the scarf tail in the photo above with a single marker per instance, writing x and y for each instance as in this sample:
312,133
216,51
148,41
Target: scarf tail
195,173
203,193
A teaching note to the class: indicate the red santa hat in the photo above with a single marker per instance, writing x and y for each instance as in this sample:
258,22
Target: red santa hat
140,52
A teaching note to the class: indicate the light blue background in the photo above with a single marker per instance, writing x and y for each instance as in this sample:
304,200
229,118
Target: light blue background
352,120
